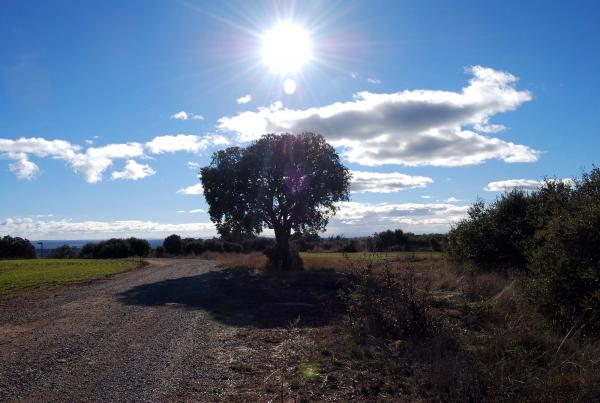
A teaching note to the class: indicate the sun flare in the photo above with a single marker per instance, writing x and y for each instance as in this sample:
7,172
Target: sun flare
286,48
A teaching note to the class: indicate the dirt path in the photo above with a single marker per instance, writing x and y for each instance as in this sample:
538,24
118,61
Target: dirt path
92,342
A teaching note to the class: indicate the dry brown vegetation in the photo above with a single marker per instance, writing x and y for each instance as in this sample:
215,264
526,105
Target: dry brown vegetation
420,331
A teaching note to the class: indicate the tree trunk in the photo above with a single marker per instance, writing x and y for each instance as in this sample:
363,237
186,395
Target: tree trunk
283,245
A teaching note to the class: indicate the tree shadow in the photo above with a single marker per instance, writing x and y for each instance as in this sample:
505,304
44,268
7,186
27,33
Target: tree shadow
246,297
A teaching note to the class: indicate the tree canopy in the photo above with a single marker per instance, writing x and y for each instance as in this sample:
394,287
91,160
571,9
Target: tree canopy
282,182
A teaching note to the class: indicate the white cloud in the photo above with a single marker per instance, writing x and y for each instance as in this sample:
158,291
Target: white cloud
378,182
523,184
134,171
420,127
195,211
194,166
453,200
364,218
183,115
426,197
184,142
373,80
91,163
67,229
24,169
196,189
245,99
94,161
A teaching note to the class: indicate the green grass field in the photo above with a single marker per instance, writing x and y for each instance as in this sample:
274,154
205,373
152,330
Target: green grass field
19,275
372,256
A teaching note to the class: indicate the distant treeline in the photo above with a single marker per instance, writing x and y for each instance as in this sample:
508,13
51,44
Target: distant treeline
174,245
551,236
16,248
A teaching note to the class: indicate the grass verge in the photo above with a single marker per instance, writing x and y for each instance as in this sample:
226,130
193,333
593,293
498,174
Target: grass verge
17,276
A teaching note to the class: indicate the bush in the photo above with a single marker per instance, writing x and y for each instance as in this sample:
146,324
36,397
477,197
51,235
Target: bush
496,237
113,248
88,251
16,248
139,247
173,245
214,245
566,267
64,252
193,246
232,247
386,307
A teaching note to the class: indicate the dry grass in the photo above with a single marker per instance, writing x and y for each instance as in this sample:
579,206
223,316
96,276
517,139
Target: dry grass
487,343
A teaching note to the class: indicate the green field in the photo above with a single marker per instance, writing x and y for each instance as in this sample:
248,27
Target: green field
19,275
372,256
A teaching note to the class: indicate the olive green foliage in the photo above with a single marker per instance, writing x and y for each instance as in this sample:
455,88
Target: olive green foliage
282,182
551,234
64,252
16,248
116,248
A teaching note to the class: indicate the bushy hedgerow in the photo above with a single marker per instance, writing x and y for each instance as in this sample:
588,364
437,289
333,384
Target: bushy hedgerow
64,252
116,248
16,248
551,234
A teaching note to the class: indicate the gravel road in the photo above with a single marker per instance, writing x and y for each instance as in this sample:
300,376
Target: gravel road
92,342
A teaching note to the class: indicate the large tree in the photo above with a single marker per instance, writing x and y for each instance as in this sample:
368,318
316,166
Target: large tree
282,182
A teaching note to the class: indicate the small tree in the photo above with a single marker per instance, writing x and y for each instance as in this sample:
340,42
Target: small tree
282,182
16,248
139,247
173,245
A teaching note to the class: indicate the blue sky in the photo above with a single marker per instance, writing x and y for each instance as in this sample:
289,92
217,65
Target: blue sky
443,101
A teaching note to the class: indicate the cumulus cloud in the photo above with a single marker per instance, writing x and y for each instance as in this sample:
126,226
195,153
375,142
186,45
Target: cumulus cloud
453,200
245,99
184,142
24,169
196,189
183,115
419,127
524,184
373,80
133,171
94,161
194,211
194,166
379,182
61,229
361,218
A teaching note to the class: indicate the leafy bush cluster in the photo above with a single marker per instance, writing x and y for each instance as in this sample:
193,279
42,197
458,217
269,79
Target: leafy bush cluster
116,248
64,252
174,245
16,248
385,241
552,235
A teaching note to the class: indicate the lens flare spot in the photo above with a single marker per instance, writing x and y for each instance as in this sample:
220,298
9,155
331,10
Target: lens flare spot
289,86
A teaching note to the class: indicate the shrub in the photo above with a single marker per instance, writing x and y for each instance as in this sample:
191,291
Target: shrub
173,245
232,247
193,246
139,247
566,267
16,248
64,252
495,237
386,307
89,250
214,245
113,248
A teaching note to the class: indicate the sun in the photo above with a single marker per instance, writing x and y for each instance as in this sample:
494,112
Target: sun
286,48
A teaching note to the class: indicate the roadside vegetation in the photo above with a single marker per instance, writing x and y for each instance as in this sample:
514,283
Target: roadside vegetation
18,276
